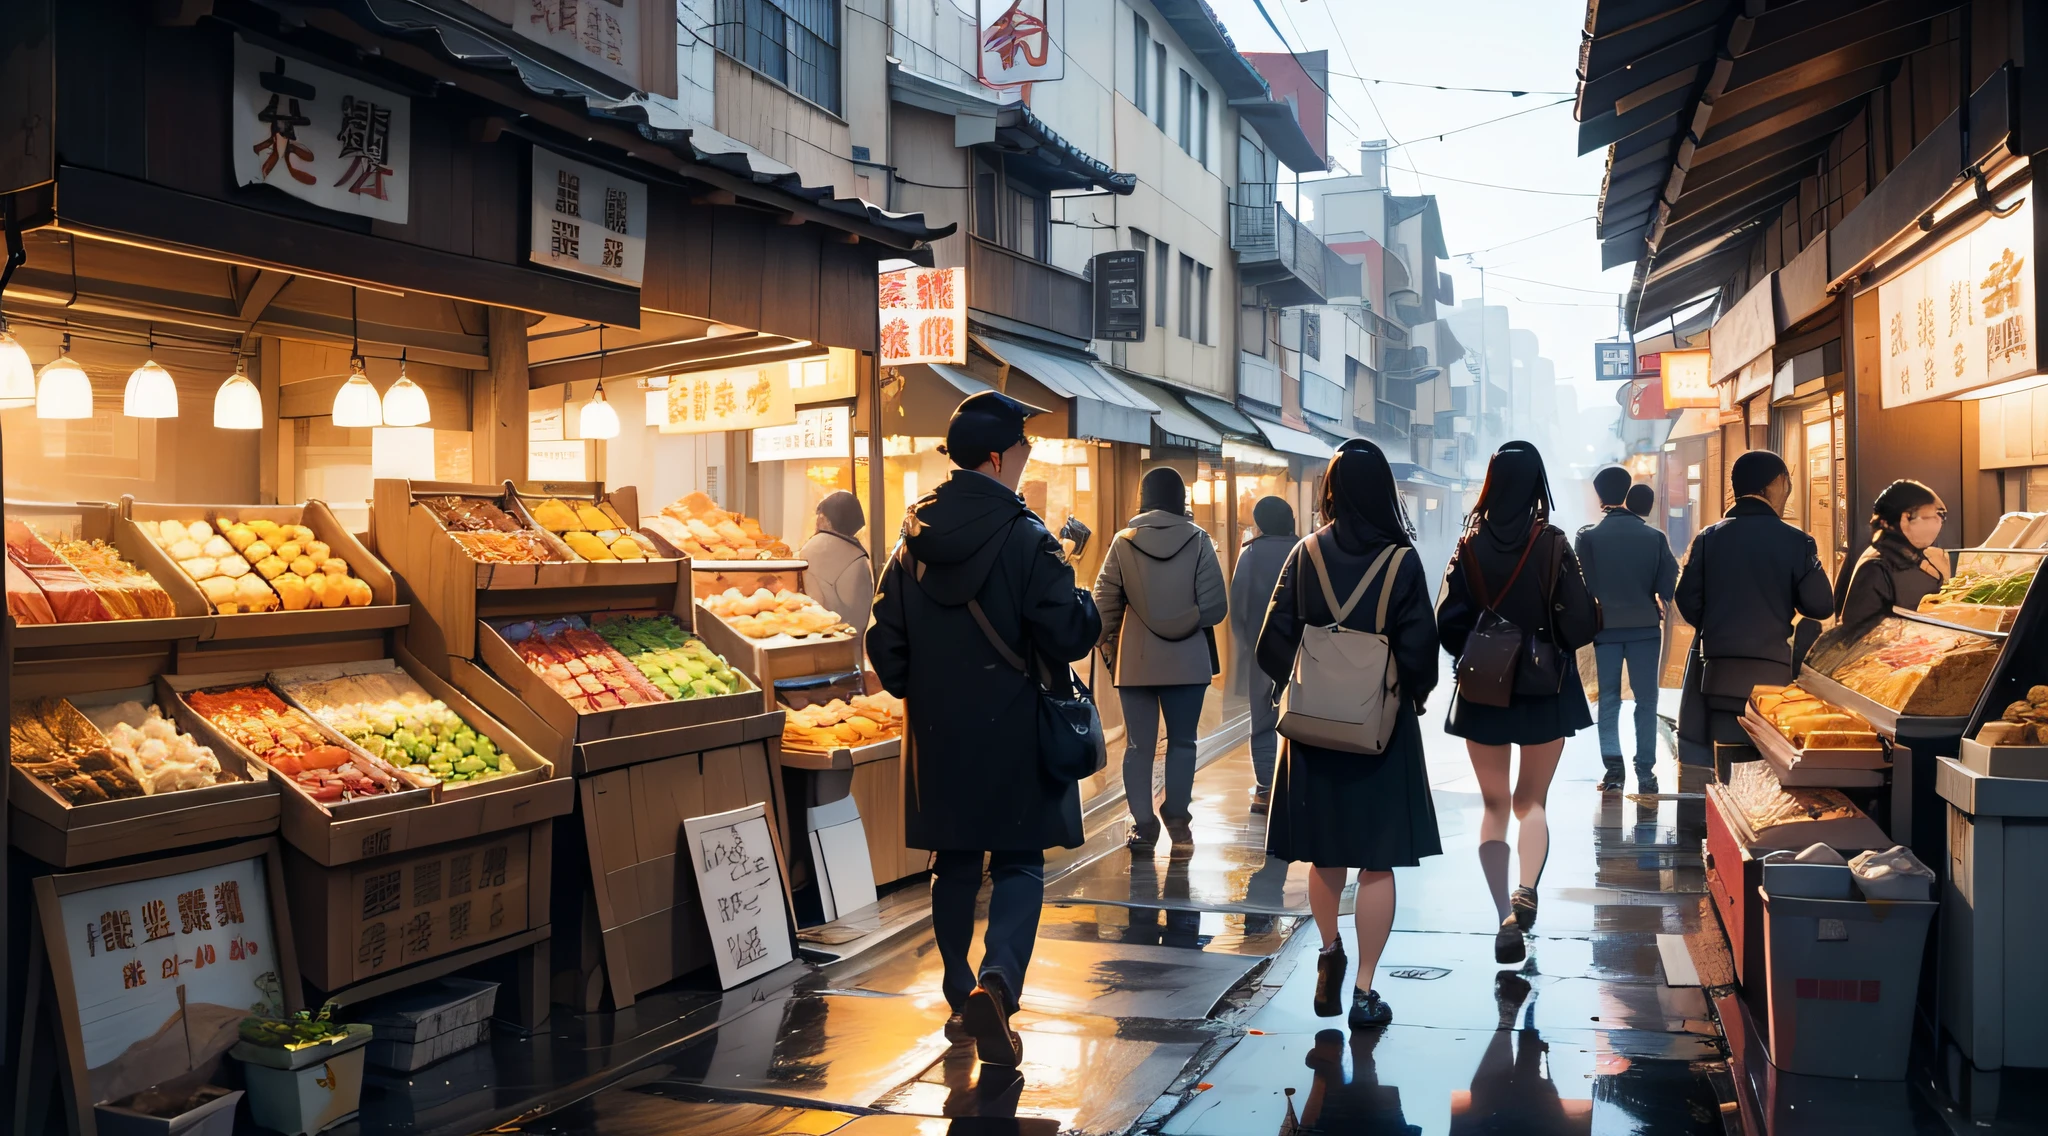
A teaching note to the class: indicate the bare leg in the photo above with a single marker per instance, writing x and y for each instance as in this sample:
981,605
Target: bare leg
1325,890
1490,765
1374,916
1532,789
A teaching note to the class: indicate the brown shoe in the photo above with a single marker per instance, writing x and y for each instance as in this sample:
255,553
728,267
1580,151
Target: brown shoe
986,1018
1330,966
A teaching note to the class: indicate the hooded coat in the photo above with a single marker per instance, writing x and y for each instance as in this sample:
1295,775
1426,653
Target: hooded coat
972,776
1160,585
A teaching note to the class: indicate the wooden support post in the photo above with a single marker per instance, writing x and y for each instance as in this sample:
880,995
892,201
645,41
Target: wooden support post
499,441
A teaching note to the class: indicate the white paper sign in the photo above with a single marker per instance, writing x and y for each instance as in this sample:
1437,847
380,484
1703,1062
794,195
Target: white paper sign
1020,41
1962,318
739,882
322,137
924,316
602,34
556,461
164,970
586,219
818,432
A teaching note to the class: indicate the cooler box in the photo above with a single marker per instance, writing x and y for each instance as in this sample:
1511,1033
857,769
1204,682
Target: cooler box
1844,975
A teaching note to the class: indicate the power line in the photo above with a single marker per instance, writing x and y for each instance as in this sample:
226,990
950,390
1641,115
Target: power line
1492,185
1558,303
1548,284
1530,237
1440,136
1445,87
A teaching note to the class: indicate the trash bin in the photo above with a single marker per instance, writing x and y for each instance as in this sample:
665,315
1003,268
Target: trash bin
1844,974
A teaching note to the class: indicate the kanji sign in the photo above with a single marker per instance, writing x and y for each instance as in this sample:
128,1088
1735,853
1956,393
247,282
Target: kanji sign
1120,295
705,401
739,883
600,34
322,137
1020,41
586,219
924,316
819,432
1963,317
1688,379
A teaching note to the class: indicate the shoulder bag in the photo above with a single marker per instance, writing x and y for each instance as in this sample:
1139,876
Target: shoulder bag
1345,693
1540,670
1486,668
1134,584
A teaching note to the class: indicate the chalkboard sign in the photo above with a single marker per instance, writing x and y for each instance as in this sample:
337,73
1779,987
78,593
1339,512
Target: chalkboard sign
739,882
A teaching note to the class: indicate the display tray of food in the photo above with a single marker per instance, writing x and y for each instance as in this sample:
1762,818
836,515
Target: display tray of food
76,577
111,774
2015,744
597,526
1906,665
486,532
696,527
839,721
2016,544
1768,815
269,570
1980,600
1814,731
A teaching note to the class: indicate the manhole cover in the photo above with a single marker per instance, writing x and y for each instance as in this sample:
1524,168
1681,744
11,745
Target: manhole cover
1419,973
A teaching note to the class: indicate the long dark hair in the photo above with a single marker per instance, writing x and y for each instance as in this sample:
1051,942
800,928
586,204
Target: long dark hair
1515,496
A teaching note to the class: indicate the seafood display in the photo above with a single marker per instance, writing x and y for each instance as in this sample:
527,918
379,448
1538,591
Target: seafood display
695,524
286,740
589,673
766,614
1910,666
393,717
49,740
488,533
594,531
163,758
675,661
855,721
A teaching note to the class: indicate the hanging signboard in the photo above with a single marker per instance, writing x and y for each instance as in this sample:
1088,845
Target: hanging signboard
819,432
1962,318
1687,379
705,401
1746,330
600,34
587,220
1020,41
1120,295
739,884
1614,361
337,142
155,965
1646,400
924,316
1753,377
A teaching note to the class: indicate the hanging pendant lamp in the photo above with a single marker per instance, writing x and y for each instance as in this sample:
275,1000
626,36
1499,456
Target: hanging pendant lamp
238,405
17,374
405,404
598,418
356,405
151,393
62,388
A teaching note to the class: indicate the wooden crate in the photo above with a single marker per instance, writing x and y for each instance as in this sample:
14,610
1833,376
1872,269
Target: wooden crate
352,922
384,610
564,720
450,592
68,836
767,660
99,520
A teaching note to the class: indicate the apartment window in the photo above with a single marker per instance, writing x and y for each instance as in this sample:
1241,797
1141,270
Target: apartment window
1202,303
1142,56
1009,212
1254,183
1160,253
1187,113
1202,125
1159,85
794,42
1187,296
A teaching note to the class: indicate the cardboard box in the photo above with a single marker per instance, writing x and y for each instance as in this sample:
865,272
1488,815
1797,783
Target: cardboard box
2024,762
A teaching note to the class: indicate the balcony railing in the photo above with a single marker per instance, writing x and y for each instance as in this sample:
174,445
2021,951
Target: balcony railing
1278,254
1017,287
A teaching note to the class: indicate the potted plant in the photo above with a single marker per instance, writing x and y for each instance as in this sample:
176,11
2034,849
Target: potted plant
305,1072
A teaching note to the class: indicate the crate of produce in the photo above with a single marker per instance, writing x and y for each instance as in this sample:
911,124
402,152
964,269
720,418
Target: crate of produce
838,722
294,566
695,526
118,773
76,576
472,551
421,1025
598,526
776,634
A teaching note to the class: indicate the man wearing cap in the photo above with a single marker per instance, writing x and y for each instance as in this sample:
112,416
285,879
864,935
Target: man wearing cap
1746,577
974,786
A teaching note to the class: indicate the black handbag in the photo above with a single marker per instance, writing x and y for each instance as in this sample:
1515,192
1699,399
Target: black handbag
1489,667
1540,669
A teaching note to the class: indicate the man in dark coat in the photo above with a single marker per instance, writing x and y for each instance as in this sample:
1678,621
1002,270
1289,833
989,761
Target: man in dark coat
973,779
1745,578
1259,561
1630,570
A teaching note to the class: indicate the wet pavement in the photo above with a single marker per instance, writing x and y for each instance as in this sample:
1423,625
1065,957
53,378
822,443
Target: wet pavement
1171,994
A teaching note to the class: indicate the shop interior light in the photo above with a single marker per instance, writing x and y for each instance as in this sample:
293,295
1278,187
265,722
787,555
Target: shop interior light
238,405
356,405
1203,495
598,419
62,388
17,374
2009,386
405,404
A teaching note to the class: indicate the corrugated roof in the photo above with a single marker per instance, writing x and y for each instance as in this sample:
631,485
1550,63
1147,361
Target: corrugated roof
1105,407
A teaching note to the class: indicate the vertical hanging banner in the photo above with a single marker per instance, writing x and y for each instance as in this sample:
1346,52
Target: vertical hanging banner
602,34
924,316
337,142
1960,319
587,220
1020,42
1120,295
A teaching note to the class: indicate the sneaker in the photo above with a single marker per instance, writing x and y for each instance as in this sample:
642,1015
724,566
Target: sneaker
1507,943
1611,781
1330,966
1523,902
1142,839
986,1018
1646,782
1369,1010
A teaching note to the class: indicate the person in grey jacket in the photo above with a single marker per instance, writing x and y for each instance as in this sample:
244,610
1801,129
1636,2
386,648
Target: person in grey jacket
839,574
1745,578
1630,570
1259,561
1160,586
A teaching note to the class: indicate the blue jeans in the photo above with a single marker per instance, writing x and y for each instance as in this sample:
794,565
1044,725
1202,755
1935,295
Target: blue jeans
1641,657
1181,706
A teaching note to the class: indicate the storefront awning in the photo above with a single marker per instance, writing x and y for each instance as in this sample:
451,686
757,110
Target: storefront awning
1694,422
1102,406
965,383
1300,443
1233,422
1176,425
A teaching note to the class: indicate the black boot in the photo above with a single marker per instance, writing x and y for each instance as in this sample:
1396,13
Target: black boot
1523,902
1369,1010
1330,966
1507,943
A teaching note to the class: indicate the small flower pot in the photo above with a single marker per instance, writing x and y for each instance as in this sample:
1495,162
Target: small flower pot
210,1111
303,1091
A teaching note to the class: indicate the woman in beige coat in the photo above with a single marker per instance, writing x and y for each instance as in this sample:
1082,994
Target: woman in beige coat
1160,591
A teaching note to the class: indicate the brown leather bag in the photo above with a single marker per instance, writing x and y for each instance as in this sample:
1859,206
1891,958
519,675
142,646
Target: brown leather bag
1486,668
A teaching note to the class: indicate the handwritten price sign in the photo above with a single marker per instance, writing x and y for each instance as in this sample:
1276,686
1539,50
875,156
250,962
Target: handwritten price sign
739,882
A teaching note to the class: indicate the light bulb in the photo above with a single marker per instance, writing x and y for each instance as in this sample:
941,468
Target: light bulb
598,419
63,390
356,405
405,404
151,393
238,405
17,374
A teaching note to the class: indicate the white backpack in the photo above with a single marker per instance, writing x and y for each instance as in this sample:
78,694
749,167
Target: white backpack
1344,694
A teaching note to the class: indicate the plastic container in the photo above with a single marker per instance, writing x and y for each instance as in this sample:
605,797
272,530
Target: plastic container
1844,974
1784,876
300,1092
1892,874
213,1116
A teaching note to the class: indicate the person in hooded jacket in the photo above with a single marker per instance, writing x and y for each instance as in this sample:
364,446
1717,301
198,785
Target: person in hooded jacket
1159,589
974,785
839,574
1337,810
1514,562
1901,566
1259,561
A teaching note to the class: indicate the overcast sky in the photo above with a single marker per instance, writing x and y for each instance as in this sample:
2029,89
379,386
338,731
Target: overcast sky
1530,45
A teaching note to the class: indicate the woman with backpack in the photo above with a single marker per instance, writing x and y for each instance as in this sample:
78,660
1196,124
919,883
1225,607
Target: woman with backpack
1160,591
1514,611
1365,806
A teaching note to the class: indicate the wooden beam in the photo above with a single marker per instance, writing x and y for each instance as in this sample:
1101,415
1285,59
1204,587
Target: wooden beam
261,291
654,359
716,197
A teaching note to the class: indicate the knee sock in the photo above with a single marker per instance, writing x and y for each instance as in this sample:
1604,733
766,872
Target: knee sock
1493,860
